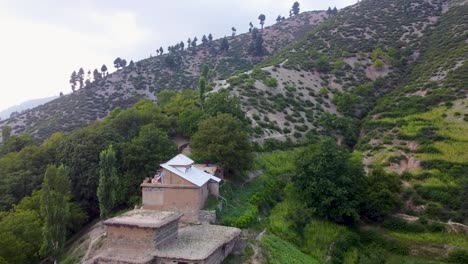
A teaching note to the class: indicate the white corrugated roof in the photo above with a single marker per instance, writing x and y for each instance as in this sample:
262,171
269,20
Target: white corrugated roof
180,160
190,173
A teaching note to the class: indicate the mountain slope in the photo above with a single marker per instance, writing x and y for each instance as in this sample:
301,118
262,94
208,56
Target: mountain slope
176,70
365,48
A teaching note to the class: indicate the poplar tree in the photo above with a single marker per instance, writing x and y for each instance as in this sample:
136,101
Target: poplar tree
55,210
108,180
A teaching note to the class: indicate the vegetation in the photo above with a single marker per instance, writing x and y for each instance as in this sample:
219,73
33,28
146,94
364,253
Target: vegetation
108,181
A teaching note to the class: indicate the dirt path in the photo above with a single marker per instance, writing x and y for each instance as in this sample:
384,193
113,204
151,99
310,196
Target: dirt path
257,255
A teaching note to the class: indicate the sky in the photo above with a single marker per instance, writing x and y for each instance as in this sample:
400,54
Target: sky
43,42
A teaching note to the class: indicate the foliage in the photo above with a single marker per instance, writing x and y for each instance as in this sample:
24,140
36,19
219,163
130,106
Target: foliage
382,195
108,181
282,252
330,181
223,139
55,210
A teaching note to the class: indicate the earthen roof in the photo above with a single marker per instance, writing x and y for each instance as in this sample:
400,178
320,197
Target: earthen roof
144,218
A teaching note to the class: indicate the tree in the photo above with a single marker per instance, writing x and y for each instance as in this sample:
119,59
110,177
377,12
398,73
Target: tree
329,11
182,45
224,44
222,102
233,31
210,37
73,79
278,19
382,194
80,77
330,181
96,75
223,139
108,181
322,64
104,70
250,27
189,43
6,133
118,63
55,209
295,8
335,11
123,63
204,40
262,18
202,83
256,46
142,155
161,50
194,42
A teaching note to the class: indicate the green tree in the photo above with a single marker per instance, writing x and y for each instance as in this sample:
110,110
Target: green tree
295,8
224,44
202,83
322,64
223,139
108,181
382,194
142,156
330,181
262,18
55,210
204,40
104,70
6,133
222,102
72,81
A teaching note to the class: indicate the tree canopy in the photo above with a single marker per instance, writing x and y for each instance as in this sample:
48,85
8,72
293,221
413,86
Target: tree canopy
331,181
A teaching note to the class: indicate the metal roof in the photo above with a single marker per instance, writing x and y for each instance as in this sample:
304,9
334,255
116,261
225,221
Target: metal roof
182,166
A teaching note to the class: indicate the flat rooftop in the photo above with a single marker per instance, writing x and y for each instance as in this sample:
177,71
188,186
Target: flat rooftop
144,218
197,242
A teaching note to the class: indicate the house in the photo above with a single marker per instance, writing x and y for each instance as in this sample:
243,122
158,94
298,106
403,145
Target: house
149,237
179,186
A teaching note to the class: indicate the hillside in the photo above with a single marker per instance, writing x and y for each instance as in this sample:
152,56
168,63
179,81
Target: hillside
175,71
365,48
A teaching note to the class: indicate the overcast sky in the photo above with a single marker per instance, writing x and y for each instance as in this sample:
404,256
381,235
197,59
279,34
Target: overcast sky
42,42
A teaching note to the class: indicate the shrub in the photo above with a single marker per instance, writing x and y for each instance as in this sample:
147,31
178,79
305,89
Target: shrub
458,256
271,82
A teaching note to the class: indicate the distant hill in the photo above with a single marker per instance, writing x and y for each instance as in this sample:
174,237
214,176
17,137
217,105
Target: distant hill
25,106
143,79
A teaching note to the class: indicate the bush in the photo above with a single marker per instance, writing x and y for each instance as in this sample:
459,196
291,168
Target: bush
397,224
271,82
458,256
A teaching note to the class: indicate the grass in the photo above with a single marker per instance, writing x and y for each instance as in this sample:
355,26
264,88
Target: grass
319,235
279,251
452,239
392,258
245,200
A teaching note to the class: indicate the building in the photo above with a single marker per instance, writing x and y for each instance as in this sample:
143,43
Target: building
179,186
153,237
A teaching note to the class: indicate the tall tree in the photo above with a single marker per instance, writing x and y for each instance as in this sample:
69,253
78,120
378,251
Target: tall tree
257,43
182,45
108,181
189,42
55,210
202,83
80,77
335,11
233,29
224,44
123,63
194,42
104,70
262,18
278,19
72,81
210,37
118,63
204,40
96,75
295,8
161,51
6,133
250,26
